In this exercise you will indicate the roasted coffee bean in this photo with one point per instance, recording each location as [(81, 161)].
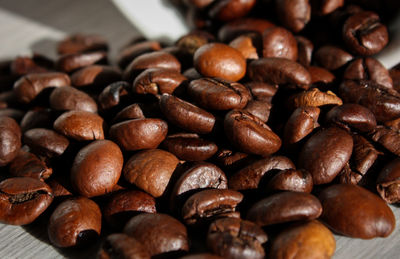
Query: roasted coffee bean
[(81, 43), (151, 170), (368, 69), (75, 222), (388, 182), (353, 211), (260, 109), (192, 74), (388, 138), (393, 124), (331, 57), (279, 43), (80, 125), (291, 180), (120, 246), (382, 102), (236, 238), (279, 71), (320, 76), (364, 155), (231, 9), (15, 114), (228, 63), (294, 14), (347, 175), (200, 4), (394, 73), (139, 134), (218, 94), (352, 116), (193, 40), (71, 62), (305, 50), (186, 115), (138, 111), (26, 65), (159, 233), (37, 118), (121, 206), (46, 142), (285, 207), (249, 134), (156, 59), (301, 123), (60, 188), (250, 176), (201, 256), (189, 147), (310, 239), (131, 52), (27, 164), (96, 76), (68, 98), (158, 81), (208, 204), (325, 154), (10, 140), (29, 86), (97, 168), (363, 33), (324, 7), (23, 199), (235, 28), (262, 91), (111, 95), (231, 161), (246, 45)]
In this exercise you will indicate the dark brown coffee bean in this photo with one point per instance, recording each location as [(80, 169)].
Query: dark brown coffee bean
[(382, 102), (10, 140), (301, 123), (121, 206), (279, 71), (262, 91), (157, 81), (393, 124), (150, 170), (364, 155), (353, 211), (363, 33), (71, 62), (139, 133), (320, 75), (231, 9), (279, 43), (68, 98), (236, 238), (138, 111), (81, 43), (352, 116), (37, 118), (285, 207), (260, 109), (347, 175), (201, 256), (192, 74), (29, 86), (218, 94), (291, 180), (80, 125), (310, 239), (97, 76), (325, 154), (156, 59), (324, 7), (189, 147), (246, 45), (190, 42), (388, 138), (331, 57), (293, 14), (394, 73), (15, 114), (208, 204), (23, 199), (122, 246), (27, 164), (76, 221), (26, 65), (388, 182), (97, 168), (249, 134), (228, 63), (159, 233), (60, 187), (235, 28), (131, 52), (231, 161), (305, 50), (250, 176), (111, 95), (46, 142)]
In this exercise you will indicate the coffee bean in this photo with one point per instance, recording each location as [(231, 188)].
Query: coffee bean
[(75, 222), (231, 161), (325, 7), (305, 50), (71, 62), (27, 164), (46, 142), (231, 9), (247, 46), (26, 65), (262, 91), (10, 140), (129, 53), (279, 43), (95, 76), (314, 98), (320, 76), (364, 155), (138, 111), (388, 138), (356, 212), (331, 57), (81, 43), (291, 180), (68, 98), (201, 256), (23, 199), (235, 28), (260, 109), (36, 118), (119, 245), (387, 183), (158, 81)]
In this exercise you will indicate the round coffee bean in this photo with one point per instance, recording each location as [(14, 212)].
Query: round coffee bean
[(96, 76), (10, 140), (158, 81), (332, 57), (291, 180), (70, 62), (69, 98), (119, 245), (279, 43), (230, 10), (294, 14)]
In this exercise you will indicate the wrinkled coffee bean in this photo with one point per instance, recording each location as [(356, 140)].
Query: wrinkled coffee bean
[(46, 142), (387, 184), (388, 138), (246, 45), (76, 221), (69, 98), (10, 140), (313, 97), (158, 81), (364, 155), (27, 164), (291, 180), (23, 199), (111, 95), (120, 245), (279, 43)]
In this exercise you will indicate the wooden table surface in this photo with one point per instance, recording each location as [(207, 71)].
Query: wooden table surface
[(35, 25)]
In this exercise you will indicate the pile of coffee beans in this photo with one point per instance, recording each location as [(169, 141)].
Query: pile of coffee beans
[(256, 135)]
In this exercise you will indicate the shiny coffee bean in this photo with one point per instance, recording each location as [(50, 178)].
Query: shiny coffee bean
[(75, 222), (158, 81), (121, 246), (27, 164), (138, 111), (331, 57), (96, 168), (68, 98), (231, 9), (325, 7), (36, 118), (246, 45), (26, 65), (294, 14), (305, 50), (262, 91), (260, 109), (46, 142), (96, 76), (23, 199), (387, 184), (71, 62), (81, 43), (231, 161), (353, 211), (314, 98), (279, 43), (131, 52), (388, 138), (10, 140), (320, 76), (291, 180), (112, 94), (364, 155), (235, 28)]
